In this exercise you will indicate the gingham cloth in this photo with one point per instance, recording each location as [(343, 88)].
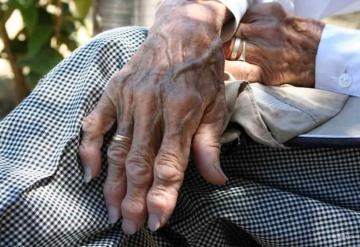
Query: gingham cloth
[(296, 197)]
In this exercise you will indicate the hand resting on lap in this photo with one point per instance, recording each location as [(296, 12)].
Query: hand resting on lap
[(168, 100)]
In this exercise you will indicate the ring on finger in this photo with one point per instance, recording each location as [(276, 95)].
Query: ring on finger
[(243, 52), (120, 138), (236, 46)]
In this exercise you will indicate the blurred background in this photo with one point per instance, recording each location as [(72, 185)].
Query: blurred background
[(35, 35)]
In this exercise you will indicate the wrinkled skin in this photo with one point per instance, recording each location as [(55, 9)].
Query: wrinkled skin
[(279, 48), (167, 101)]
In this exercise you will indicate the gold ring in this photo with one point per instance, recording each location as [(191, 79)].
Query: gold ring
[(232, 45), (236, 48), (243, 52), (121, 138)]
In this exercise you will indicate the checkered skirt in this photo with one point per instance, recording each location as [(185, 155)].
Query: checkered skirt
[(297, 197)]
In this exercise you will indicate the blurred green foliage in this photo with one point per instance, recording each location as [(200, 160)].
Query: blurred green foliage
[(48, 25)]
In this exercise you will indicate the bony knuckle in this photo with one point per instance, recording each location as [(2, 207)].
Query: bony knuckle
[(138, 170), (167, 157), (161, 197), (141, 154), (168, 169), (116, 155), (117, 77), (85, 150), (132, 206), (113, 187), (88, 123), (115, 160), (121, 75)]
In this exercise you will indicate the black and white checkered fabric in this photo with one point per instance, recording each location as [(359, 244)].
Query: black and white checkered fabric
[(296, 197)]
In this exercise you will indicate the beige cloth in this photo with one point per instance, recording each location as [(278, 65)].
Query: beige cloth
[(275, 115)]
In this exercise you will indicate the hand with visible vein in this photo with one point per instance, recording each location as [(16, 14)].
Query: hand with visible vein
[(166, 102)]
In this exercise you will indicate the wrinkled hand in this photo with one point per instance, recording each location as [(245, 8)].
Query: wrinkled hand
[(279, 48), (167, 99)]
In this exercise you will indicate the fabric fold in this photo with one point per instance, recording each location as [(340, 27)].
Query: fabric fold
[(274, 115)]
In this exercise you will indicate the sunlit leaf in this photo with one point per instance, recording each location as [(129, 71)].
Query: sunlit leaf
[(82, 7), (32, 45)]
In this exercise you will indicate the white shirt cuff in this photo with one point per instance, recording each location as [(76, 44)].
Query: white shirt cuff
[(338, 61), (238, 9)]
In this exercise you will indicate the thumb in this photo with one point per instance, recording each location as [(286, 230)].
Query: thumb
[(206, 143), (244, 71)]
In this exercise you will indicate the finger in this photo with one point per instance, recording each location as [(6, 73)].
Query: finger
[(169, 171), (99, 121), (139, 176), (206, 142), (265, 12), (249, 30), (261, 38), (254, 50), (115, 183), (139, 165), (244, 71), (172, 159), (266, 36)]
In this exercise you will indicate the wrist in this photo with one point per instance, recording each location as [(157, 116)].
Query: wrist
[(183, 13), (310, 31)]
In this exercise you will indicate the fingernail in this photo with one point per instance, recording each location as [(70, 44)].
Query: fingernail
[(87, 174), (220, 171), (113, 214), (129, 227), (154, 222)]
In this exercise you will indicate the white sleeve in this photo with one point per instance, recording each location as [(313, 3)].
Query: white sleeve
[(320, 9), (338, 61), (238, 9)]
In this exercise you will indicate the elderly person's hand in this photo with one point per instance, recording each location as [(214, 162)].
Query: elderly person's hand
[(279, 48), (168, 99)]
